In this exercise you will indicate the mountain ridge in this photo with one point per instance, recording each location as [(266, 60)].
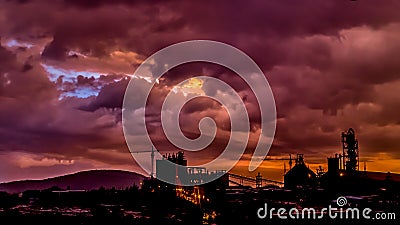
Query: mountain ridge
[(82, 180)]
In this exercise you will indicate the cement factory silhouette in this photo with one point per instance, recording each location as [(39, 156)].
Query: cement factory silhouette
[(233, 199), (343, 172), (230, 199)]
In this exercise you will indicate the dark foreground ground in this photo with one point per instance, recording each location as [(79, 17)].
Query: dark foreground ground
[(163, 206)]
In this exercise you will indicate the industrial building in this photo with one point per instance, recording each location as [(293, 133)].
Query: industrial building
[(343, 173), (300, 176)]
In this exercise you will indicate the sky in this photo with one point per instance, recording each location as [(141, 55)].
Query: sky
[(65, 65)]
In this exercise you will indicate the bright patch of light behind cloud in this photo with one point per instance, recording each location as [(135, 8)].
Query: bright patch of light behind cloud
[(80, 92), (69, 75), (15, 43)]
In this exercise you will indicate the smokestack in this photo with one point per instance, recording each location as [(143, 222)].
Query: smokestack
[(284, 168)]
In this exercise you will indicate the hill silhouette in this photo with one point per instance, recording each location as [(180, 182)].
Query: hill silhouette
[(84, 180)]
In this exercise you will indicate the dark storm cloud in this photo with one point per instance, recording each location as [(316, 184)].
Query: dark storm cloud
[(8, 60), (33, 119), (200, 104), (89, 4), (110, 96), (331, 65), (146, 28), (23, 80), (55, 50)]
